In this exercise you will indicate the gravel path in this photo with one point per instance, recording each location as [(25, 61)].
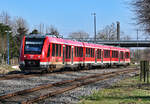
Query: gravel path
[(9, 86)]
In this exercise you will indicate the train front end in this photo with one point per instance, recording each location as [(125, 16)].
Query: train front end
[(32, 54)]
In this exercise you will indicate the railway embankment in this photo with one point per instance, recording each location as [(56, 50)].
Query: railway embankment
[(128, 91)]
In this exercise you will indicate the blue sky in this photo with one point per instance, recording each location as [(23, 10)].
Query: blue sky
[(72, 15)]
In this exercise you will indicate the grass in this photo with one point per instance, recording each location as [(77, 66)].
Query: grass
[(4, 69), (128, 91)]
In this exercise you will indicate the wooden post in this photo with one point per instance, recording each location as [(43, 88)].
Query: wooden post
[(141, 70), (144, 71), (144, 67), (147, 71)]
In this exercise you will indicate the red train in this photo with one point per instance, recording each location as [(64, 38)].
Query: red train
[(44, 53)]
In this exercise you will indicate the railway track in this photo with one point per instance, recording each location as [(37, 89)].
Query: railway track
[(22, 75), (32, 95)]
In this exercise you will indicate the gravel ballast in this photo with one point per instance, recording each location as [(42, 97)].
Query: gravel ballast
[(13, 85), (73, 97)]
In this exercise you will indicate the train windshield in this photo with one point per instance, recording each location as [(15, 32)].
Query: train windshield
[(33, 45)]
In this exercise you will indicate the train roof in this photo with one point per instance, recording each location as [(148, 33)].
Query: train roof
[(35, 36), (63, 41), (75, 43)]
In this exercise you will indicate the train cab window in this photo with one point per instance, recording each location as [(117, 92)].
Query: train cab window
[(127, 54), (48, 53), (114, 54), (68, 52), (121, 55), (106, 53), (53, 49), (99, 54)]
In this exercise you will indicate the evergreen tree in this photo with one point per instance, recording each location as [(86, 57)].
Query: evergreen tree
[(35, 31)]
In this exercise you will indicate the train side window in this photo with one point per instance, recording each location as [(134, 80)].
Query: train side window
[(86, 52), (48, 53), (99, 53), (75, 51), (106, 53), (68, 52), (56, 49), (59, 50), (93, 52), (80, 52), (121, 55), (114, 54), (53, 49), (127, 54)]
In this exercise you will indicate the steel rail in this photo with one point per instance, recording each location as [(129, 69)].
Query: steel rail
[(61, 83), (13, 76), (62, 90)]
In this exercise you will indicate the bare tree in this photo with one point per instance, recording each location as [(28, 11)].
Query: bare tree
[(5, 18), (108, 33), (20, 29), (5, 21), (19, 26), (142, 11), (124, 36), (79, 35), (127, 37)]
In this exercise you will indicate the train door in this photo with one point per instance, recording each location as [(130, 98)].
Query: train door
[(48, 54), (124, 57), (63, 54), (110, 56), (119, 56), (95, 55), (72, 56)]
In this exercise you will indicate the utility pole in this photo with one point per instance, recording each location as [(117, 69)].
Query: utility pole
[(8, 46), (94, 14), (137, 34)]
